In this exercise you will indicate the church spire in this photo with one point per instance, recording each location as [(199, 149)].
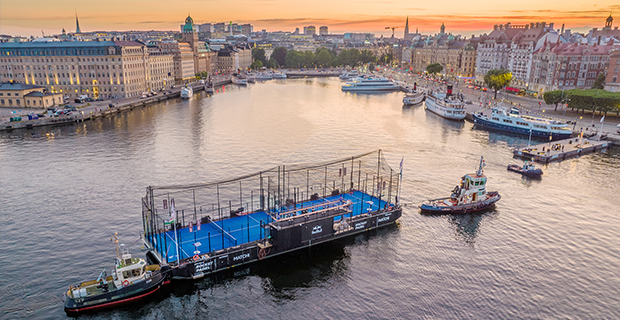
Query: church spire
[(407, 27), (443, 28), (77, 24)]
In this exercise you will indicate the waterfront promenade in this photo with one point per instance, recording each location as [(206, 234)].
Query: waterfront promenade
[(582, 122)]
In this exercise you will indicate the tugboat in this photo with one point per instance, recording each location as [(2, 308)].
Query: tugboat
[(527, 170), (469, 196), (187, 92), (131, 280)]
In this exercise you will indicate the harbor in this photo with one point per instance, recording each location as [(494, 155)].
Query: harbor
[(70, 187)]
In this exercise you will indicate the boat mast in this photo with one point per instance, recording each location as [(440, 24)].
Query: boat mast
[(115, 240), (479, 172)]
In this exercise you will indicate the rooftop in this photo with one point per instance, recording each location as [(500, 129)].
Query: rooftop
[(16, 86)]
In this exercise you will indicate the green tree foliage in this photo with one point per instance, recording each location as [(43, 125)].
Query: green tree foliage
[(599, 83), (258, 54), (554, 97), (497, 79), (324, 58), (587, 100), (307, 59), (293, 59), (279, 54), (272, 63), (434, 68), (256, 65), (366, 56)]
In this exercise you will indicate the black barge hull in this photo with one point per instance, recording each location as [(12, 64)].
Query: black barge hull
[(284, 240)]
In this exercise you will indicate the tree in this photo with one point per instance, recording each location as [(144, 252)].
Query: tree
[(599, 83), (497, 79), (307, 59), (434, 68), (279, 54), (554, 97), (367, 56), (324, 58), (256, 65), (258, 54), (272, 63), (292, 59)]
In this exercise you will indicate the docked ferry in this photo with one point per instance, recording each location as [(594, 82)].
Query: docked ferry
[(370, 85), (187, 92), (131, 279), (512, 121), (348, 75), (446, 104), (413, 97)]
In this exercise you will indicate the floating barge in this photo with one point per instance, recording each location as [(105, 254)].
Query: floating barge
[(229, 223), (561, 149)]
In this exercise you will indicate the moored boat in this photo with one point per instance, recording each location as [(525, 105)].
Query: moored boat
[(446, 104), (239, 81), (512, 121), (132, 279), (469, 196), (279, 75), (413, 97), (348, 75), (187, 92), (528, 169), (370, 85)]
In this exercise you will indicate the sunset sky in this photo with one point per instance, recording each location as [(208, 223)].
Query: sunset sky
[(29, 17)]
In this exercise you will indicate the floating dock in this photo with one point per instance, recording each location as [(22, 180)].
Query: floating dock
[(561, 149), (225, 224)]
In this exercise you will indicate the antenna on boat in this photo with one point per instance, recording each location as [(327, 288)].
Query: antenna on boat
[(482, 164), (115, 240)]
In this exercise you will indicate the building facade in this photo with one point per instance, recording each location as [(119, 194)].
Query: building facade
[(612, 80), (20, 95), (98, 69)]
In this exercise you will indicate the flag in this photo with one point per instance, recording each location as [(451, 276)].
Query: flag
[(198, 225), (172, 214), (191, 226), (401, 166), (602, 119)]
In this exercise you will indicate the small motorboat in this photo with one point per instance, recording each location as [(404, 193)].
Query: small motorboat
[(413, 96), (469, 196), (131, 279), (528, 169)]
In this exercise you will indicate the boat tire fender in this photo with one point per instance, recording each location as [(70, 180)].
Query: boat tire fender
[(125, 283), (196, 258)]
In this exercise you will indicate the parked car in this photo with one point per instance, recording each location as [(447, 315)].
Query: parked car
[(71, 108), (99, 99), (78, 100), (90, 100)]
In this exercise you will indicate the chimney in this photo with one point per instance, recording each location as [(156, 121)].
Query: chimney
[(532, 25), (449, 93), (495, 27), (562, 32), (551, 25)]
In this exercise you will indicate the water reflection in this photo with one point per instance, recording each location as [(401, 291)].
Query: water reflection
[(466, 226)]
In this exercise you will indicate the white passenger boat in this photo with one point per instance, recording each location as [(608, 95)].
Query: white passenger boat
[(279, 75), (348, 75), (239, 81), (187, 92), (413, 96), (523, 124), (370, 85), (263, 76), (446, 105)]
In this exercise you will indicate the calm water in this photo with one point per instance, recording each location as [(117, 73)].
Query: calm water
[(549, 250)]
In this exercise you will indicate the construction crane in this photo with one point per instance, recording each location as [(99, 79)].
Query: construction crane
[(393, 28)]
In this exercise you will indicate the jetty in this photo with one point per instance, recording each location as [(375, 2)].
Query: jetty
[(561, 149)]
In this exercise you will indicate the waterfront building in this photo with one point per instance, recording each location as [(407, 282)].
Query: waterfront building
[(494, 51), (565, 66), (183, 57), (521, 50), (20, 95), (612, 81), (99, 69)]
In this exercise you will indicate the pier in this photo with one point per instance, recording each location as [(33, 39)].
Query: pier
[(561, 149)]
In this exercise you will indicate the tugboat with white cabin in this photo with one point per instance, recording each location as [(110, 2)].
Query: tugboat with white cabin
[(132, 279), (468, 196)]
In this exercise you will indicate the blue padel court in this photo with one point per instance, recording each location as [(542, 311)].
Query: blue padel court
[(250, 227)]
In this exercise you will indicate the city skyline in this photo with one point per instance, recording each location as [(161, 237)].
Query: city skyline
[(278, 15)]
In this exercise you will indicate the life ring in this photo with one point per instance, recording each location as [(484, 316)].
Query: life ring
[(196, 258), (125, 283)]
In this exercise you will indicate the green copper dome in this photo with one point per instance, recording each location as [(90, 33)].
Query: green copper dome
[(189, 24)]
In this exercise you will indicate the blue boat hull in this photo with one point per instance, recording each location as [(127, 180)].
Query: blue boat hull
[(536, 173), (525, 131)]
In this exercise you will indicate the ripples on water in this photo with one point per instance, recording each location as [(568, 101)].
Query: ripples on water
[(548, 250)]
